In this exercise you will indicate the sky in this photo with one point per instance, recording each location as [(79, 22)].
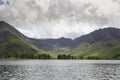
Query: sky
[(60, 18)]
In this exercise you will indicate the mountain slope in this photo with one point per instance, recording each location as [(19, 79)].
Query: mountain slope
[(100, 44), (99, 35), (13, 44), (52, 44)]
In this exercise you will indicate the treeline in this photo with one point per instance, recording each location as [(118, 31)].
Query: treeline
[(93, 58), (47, 56), (25, 56), (60, 56)]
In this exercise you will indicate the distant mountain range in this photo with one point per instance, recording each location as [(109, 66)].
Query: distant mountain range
[(99, 44)]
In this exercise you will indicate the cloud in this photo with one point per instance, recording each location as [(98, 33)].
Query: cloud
[(4, 2), (1, 2), (60, 18)]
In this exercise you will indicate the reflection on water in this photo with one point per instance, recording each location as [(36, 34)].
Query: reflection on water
[(59, 70)]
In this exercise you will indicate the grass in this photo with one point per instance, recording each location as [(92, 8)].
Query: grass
[(104, 49)]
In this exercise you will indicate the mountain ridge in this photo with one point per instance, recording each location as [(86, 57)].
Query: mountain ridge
[(14, 44), (99, 44), (92, 37), (100, 34), (6, 26)]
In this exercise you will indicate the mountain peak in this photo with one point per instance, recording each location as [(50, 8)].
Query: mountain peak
[(5, 26), (108, 28), (13, 43), (104, 31), (3, 23), (99, 35)]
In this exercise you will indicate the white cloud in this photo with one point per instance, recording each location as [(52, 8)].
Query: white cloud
[(60, 18)]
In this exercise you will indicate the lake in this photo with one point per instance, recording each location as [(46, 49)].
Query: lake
[(60, 70)]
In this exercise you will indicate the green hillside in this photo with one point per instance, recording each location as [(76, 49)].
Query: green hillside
[(100, 50), (99, 44), (14, 45)]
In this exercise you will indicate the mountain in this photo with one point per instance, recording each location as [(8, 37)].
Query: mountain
[(99, 35), (101, 44), (52, 44), (14, 44)]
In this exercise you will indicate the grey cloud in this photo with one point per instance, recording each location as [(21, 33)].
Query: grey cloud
[(46, 17), (1, 2), (57, 9)]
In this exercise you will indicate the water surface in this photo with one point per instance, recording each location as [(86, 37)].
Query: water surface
[(60, 70)]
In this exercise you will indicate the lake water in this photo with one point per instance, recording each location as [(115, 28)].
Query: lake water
[(60, 70)]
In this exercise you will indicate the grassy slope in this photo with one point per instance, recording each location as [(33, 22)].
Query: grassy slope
[(104, 49), (12, 45), (54, 54)]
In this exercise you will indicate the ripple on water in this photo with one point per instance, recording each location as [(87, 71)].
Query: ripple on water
[(58, 70)]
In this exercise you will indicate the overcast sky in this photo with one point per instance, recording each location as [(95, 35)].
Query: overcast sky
[(60, 18)]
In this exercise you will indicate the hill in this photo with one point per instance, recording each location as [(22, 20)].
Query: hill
[(100, 44), (13, 44), (52, 44)]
